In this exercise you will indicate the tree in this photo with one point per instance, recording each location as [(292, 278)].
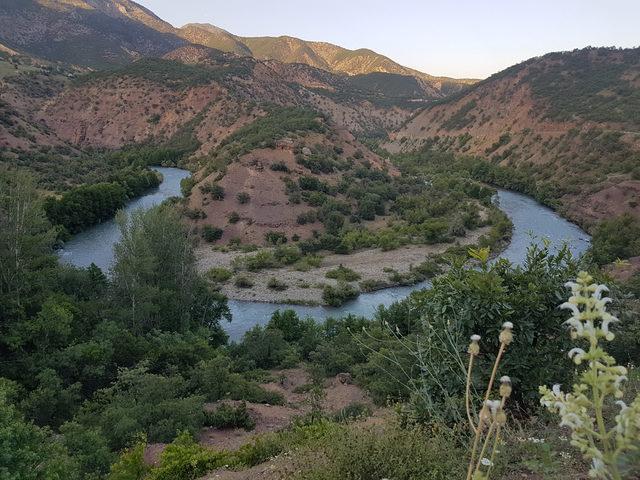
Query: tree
[(29, 452), (25, 236), (155, 274)]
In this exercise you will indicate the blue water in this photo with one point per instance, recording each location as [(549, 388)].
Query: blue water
[(95, 245), (531, 223)]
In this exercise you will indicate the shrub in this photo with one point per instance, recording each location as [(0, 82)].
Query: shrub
[(308, 262), (219, 274), (243, 281), (229, 416), (211, 233), (353, 411), (287, 255), (277, 285), (234, 217), (340, 294), (216, 191), (243, 197), (258, 261), (344, 274), (275, 238), (392, 453), (279, 167), (616, 238)]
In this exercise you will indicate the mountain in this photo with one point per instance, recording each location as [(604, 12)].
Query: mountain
[(105, 33), (570, 121), (321, 55), (93, 33)]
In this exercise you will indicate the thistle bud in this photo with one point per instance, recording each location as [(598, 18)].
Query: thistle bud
[(485, 412), (474, 348), (505, 386), (506, 335)]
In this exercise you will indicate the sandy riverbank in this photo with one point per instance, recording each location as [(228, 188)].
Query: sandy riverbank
[(306, 287)]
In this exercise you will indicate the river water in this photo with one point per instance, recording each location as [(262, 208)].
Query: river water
[(531, 223)]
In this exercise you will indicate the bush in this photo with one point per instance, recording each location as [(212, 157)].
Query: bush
[(219, 274), (275, 284), (234, 217), (392, 453), (216, 191), (279, 167), (339, 295), (275, 238), (353, 411), (211, 233), (229, 416), (343, 274), (308, 262), (243, 281), (616, 238), (243, 197)]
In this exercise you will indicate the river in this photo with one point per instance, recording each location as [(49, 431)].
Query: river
[(528, 216)]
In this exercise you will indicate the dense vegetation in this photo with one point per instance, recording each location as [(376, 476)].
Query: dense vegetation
[(86, 205), (90, 362)]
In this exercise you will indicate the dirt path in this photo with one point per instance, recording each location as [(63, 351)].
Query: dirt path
[(306, 287)]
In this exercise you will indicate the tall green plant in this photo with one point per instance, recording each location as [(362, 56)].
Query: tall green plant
[(605, 443)]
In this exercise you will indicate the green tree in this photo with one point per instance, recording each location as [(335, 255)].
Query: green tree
[(155, 274), (29, 452)]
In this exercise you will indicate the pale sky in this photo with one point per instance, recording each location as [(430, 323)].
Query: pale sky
[(462, 38)]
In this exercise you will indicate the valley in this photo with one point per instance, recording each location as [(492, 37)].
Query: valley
[(247, 256)]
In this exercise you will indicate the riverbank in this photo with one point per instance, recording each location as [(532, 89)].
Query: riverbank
[(377, 269)]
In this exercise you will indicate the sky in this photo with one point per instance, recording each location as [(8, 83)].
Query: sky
[(462, 38)]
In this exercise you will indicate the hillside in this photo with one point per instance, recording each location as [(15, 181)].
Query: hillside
[(569, 121), (323, 55), (93, 33), (106, 33)]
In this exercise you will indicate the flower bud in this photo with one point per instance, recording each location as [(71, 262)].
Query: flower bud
[(506, 335), (474, 348), (505, 386), (501, 417), (485, 413)]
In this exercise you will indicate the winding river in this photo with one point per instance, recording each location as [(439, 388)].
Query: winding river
[(531, 223)]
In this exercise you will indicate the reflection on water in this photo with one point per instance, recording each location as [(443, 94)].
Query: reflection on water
[(529, 218)]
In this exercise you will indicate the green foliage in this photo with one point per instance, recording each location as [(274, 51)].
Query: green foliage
[(243, 198), (28, 452), (211, 233), (215, 190), (279, 167), (130, 465), (219, 274), (154, 273), (615, 238), (143, 402), (342, 273), (277, 285), (242, 281), (460, 119), (265, 131), (393, 453), (465, 301), (340, 294), (275, 238), (230, 416), (353, 411), (86, 205)]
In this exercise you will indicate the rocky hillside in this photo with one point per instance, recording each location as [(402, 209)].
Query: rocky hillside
[(325, 56), (94, 33), (104, 33), (570, 121)]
